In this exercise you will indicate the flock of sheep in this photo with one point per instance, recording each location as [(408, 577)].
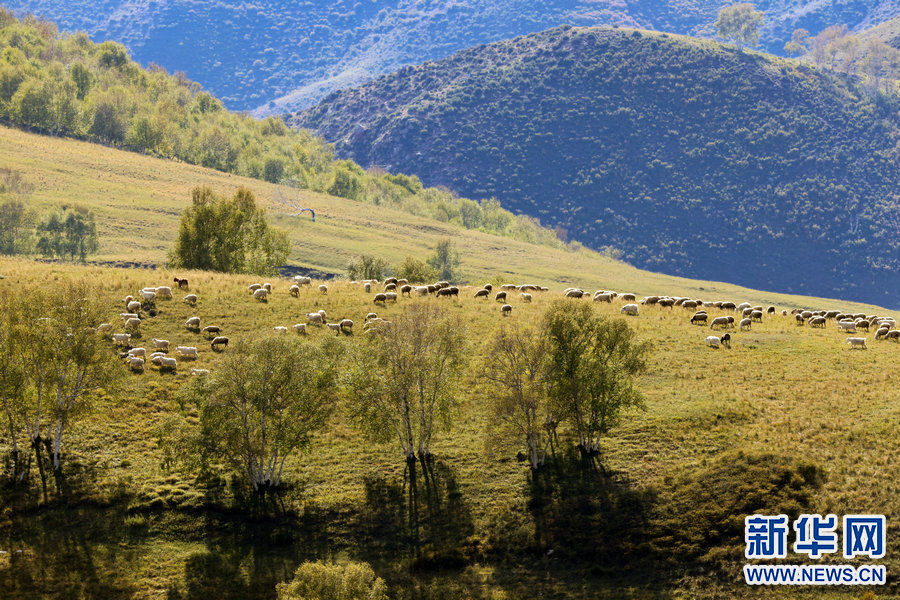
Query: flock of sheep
[(144, 303)]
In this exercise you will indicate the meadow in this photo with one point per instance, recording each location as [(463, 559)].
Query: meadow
[(720, 431)]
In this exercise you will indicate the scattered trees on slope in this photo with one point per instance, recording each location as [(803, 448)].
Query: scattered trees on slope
[(740, 24)]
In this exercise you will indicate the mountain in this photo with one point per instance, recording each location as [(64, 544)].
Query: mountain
[(689, 157), (283, 55), (887, 32)]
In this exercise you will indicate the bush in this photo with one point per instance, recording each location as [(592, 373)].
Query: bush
[(68, 232), (329, 581), (366, 266), (445, 260), (415, 271)]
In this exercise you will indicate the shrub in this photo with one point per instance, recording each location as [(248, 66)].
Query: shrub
[(330, 581)]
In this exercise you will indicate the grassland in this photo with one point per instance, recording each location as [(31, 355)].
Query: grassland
[(138, 201), (133, 529)]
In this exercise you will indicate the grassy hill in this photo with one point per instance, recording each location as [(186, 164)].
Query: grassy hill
[(789, 418), (691, 157), (282, 55), (138, 201), (887, 32)]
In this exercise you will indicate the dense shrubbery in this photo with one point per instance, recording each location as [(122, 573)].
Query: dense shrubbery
[(691, 157), (63, 84)]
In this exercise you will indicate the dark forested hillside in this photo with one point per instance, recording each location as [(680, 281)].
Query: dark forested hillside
[(294, 53), (690, 157)]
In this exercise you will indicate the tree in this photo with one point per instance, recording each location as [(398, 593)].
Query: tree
[(516, 368), (13, 382), (330, 581), (347, 181), (799, 44), (405, 376), (263, 404), (82, 78), (16, 223), (740, 24), (68, 232), (593, 362), (32, 104), (445, 260), (366, 266), (230, 235), (415, 271), (112, 55)]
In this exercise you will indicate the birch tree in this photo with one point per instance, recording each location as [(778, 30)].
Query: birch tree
[(405, 378), (593, 363), (263, 404), (516, 369), (13, 382)]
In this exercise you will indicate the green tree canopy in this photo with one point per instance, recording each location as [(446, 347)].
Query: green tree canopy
[(445, 260), (68, 232), (740, 24)]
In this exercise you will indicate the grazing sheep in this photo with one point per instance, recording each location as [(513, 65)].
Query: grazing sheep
[(391, 280), (167, 364), (212, 330), (406, 289), (650, 300), (199, 371), (626, 297), (335, 327), (323, 289), (719, 321), (402, 282), (136, 364), (881, 333), (303, 280), (134, 324), (181, 283), (368, 287), (488, 286), (770, 310), (148, 296), (526, 297), (817, 322), (857, 342), (712, 341), (253, 287), (315, 318), (104, 328), (728, 306), (122, 339), (745, 324), (371, 315), (390, 287), (193, 324), (500, 296), (346, 325), (746, 312), (186, 351), (602, 297), (261, 295), (190, 299), (164, 292), (666, 302), (726, 340), (893, 334), (126, 316), (699, 318), (391, 296), (483, 293), (744, 305), (422, 290), (268, 287), (138, 352), (505, 310), (689, 304), (220, 340), (294, 291), (800, 319), (155, 354), (756, 316), (160, 344), (846, 326), (629, 309), (300, 328), (134, 306), (806, 314), (573, 293), (280, 329)]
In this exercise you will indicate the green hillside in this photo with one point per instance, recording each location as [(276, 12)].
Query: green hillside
[(887, 32), (690, 157)]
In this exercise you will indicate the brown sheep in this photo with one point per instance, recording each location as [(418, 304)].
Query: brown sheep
[(219, 341), (699, 318), (505, 310), (380, 298), (500, 296), (406, 289), (390, 287), (482, 293), (181, 283)]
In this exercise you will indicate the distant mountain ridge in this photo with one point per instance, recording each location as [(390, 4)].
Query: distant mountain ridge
[(281, 55), (691, 157)]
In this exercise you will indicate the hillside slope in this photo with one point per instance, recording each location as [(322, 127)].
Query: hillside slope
[(691, 157), (295, 53), (138, 201)]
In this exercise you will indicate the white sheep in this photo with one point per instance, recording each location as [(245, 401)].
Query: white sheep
[(629, 309), (261, 295), (148, 296), (168, 364), (267, 287), (300, 328), (122, 339), (346, 324), (526, 297), (126, 316), (280, 329), (217, 341), (164, 292), (141, 352), (193, 323), (134, 324), (294, 291), (857, 342), (187, 351), (134, 306), (371, 315), (303, 280), (156, 354), (323, 288), (745, 324), (315, 318), (719, 321), (847, 326), (136, 364), (253, 287), (335, 327), (190, 299)]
